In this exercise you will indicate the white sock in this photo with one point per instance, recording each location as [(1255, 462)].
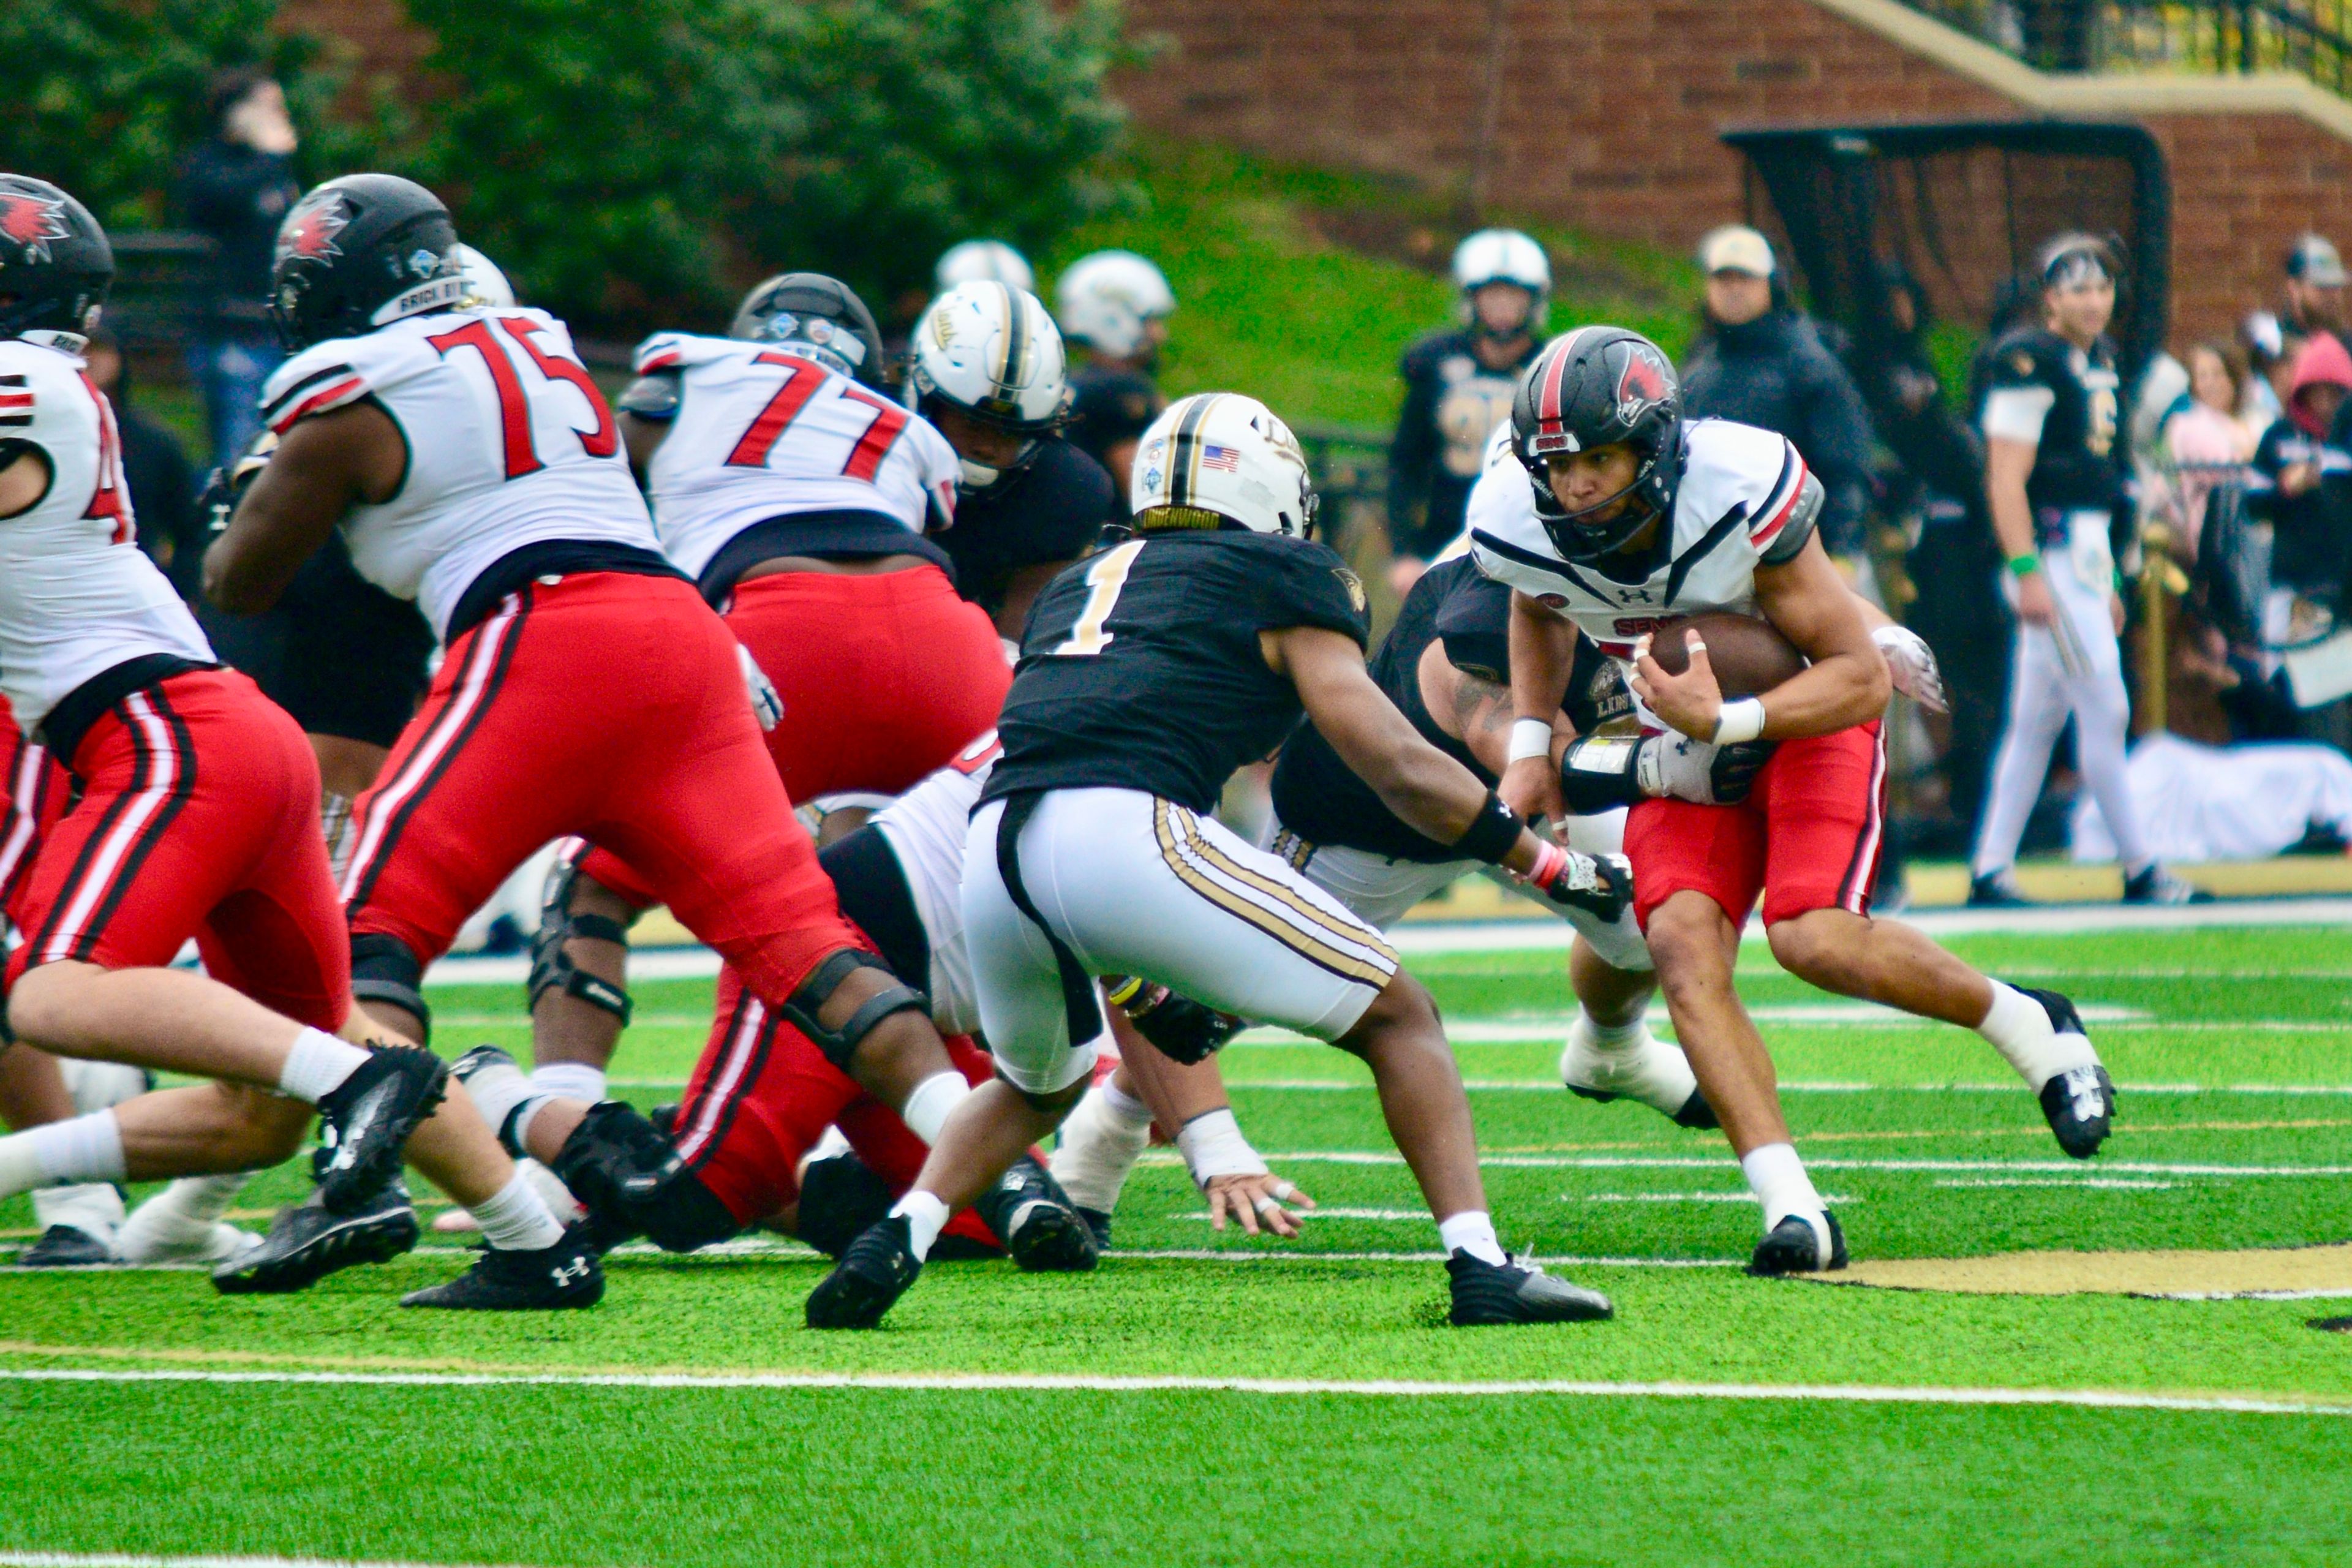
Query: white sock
[(318, 1065), (573, 1080), (1617, 1036), (1473, 1232), (2019, 1030), (183, 1213), (928, 1106), (925, 1216), (94, 1208), (517, 1218), (1101, 1140), (498, 1092), (1777, 1178)]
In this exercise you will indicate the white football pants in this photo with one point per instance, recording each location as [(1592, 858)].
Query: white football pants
[(2072, 668)]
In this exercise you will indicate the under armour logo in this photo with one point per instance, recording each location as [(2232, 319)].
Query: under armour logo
[(571, 1273)]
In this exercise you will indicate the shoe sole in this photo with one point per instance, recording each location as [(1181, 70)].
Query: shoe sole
[(1519, 1313), (345, 1245), (378, 1159), (571, 1300), (846, 1300), (1054, 1240)]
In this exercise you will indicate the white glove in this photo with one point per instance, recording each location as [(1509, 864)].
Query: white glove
[(1675, 765), (1913, 665), (766, 706)]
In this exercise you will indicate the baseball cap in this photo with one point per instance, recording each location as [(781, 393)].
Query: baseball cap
[(2315, 260), (1735, 247)]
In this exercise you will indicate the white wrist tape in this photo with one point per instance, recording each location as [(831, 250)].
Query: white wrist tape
[(1740, 721), (1213, 1146), (1531, 738)]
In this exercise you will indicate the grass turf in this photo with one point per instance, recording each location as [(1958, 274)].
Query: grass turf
[(2235, 1049)]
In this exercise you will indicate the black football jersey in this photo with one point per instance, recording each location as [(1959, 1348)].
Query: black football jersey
[(1318, 796), (1049, 511), (1108, 406), (2076, 465), (1140, 666)]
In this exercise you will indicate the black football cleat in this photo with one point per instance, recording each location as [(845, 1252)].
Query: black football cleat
[(877, 1269), (1796, 1246), (306, 1243), (1996, 891), (65, 1246), (365, 1124), (555, 1278), (2080, 1103), (2154, 885), (1034, 1218), (1516, 1292), (1097, 1225)]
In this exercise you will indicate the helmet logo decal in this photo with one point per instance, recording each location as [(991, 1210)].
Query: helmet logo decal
[(1224, 460), (32, 222), (309, 234), (1644, 384)]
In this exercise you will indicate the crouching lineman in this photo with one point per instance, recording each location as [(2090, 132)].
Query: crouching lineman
[(1148, 675), (1624, 517), (587, 689), (197, 817)]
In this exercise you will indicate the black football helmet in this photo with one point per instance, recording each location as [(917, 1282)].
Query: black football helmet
[(810, 314), (55, 263), (361, 252), (1594, 387)]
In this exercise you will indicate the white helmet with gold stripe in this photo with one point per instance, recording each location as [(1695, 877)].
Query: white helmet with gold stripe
[(984, 261), (1219, 456), (991, 351)]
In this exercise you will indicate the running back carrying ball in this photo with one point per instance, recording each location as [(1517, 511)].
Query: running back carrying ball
[(1751, 658)]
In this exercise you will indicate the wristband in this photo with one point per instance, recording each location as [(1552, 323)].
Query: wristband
[(1550, 861), (1531, 738), (1493, 834), (1740, 721), (1213, 1146), (2025, 565)]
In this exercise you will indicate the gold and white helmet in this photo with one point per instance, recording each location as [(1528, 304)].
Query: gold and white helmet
[(984, 261), (990, 350), (485, 284), (1219, 456)]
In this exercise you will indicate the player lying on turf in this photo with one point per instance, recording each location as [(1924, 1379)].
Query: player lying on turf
[(1627, 519), (197, 817), (1147, 675)]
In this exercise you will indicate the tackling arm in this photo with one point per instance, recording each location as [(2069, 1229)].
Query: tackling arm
[(1543, 656), (322, 467)]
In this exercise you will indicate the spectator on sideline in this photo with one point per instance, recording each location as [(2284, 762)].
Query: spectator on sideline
[(2205, 438), (235, 187), (1457, 388), (2314, 288), (1760, 361), (2302, 485), (2270, 348), (155, 466)]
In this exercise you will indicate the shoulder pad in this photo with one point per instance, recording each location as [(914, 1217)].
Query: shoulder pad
[(1727, 465), (680, 351), (341, 371)]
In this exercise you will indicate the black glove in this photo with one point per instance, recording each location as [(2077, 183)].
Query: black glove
[(1185, 1031)]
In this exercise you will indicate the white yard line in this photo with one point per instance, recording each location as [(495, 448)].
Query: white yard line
[(119, 1560), (1818, 1162), (970, 1382), (2095, 1182)]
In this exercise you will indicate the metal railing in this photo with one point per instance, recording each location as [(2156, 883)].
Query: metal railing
[(2312, 38)]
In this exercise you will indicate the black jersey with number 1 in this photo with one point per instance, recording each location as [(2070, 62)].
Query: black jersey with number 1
[(1140, 666)]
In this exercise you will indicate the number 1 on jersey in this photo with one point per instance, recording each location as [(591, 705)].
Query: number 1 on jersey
[(1105, 579)]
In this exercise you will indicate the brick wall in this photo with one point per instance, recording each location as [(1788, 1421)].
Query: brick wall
[(1609, 112)]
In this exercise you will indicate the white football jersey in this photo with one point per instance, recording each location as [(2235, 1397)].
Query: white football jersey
[(78, 596), (509, 443), (761, 434), (1744, 499), (927, 828)]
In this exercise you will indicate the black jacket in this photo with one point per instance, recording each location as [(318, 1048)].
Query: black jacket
[(1776, 372), (237, 196)]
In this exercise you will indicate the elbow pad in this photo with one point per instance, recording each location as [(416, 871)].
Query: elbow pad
[(1600, 774)]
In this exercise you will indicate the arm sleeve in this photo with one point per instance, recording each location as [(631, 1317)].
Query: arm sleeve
[(1309, 587), (2016, 413)]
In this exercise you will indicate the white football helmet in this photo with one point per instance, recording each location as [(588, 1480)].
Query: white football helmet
[(1219, 455), (1504, 255), (984, 261), (485, 284), (993, 352), (1105, 299)]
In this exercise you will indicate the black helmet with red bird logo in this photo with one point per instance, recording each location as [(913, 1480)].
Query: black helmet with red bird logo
[(55, 263), (1599, 386), (362, 252)]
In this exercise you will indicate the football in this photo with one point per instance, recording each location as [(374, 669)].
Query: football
[(1749, 656)]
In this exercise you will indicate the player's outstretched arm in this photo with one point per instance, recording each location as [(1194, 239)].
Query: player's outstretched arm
[(1543, 656), (323, 466)]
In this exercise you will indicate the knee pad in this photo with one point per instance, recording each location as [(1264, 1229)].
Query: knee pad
[(839, 1198), (385, 970), (840, 1045), (551, 968), (630, 1178)]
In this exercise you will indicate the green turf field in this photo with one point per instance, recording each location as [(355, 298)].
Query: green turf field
[(691, 1419)]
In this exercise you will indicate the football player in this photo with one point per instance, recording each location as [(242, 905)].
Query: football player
[(1458, 390), (196, 817), (586, 689), (988, 372), (1148, 675), (2053, 482), (982, 261), (1115, 306), (1623, 517)]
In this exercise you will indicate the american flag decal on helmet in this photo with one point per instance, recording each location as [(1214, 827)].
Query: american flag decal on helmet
[(1225, 459)]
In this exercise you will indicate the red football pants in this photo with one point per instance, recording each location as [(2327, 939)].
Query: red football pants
[(884, 680), (33, 793), (198, 818), (610, 706), (763, 1094), (1807, 838)]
